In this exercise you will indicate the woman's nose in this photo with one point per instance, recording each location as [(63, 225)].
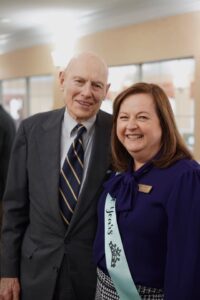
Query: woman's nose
[(132, 124)]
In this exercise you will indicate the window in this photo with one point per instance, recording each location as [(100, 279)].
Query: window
[(176, 77), (120, 78), (41, 94), (14, 97), (26, 96)]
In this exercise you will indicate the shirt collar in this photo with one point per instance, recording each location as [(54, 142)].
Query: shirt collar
[(70, 123)]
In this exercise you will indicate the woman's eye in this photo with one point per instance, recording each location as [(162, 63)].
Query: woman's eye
[(142, 117), (123, 117)]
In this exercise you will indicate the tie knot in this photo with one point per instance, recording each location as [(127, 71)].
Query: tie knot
[(80, 129)]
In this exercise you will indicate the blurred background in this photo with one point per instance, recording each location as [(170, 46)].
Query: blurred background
[(141, 40)]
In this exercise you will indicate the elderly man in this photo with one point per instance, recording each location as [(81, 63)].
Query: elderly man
[(50, 203)]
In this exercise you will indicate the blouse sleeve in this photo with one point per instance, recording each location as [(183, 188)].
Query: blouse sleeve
[(182, 274)]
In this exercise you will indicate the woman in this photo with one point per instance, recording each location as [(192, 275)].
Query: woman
[(150, 207)]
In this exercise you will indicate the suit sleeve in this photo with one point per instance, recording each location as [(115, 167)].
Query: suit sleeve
[(183, 255), (7, 134), (15, 207)]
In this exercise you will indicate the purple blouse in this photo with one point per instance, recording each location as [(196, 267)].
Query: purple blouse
[(160, 229)]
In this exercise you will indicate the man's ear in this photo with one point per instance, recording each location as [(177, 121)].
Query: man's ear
[(107, 87), (61, 78)]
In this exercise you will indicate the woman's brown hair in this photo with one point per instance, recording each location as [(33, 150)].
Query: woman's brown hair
[(173, 147)]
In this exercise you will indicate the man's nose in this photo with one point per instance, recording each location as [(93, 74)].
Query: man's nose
[(87, 89)]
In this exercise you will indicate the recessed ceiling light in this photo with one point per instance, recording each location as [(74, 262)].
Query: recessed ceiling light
[(4, 36), (3, 42), (5, 20)]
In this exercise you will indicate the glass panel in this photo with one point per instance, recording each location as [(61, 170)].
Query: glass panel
[(41, 94), (120, 77), (14, 96), (176, 77)]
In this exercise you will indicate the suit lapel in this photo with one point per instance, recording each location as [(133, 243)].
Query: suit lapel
[(48, 142)]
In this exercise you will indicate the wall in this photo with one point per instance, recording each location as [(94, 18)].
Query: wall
[(26, 62), (156, 40), (167, 38)]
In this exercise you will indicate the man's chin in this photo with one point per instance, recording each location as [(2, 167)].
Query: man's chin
[(84, 116)]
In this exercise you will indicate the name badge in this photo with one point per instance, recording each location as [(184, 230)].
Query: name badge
[(144, 188)]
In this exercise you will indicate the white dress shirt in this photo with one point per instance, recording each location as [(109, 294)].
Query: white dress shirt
[(68, 135)]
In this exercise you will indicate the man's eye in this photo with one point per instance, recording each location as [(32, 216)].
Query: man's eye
[(96, 85), (79, 81)]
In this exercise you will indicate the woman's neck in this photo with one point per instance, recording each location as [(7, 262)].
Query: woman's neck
[(138, 164)]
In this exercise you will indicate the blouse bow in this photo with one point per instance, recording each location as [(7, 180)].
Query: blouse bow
[(124, 186)]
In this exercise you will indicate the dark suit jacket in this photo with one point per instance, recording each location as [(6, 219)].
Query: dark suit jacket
[(7, 134), (34, 237)]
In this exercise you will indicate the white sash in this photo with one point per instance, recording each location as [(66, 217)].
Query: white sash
[(116, 262)]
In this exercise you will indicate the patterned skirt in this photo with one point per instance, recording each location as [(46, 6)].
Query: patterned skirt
[(106, 291)]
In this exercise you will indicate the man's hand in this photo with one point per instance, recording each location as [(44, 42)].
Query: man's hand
[(9, 289)]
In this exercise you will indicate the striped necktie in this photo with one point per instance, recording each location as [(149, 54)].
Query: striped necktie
[(71, 176)]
